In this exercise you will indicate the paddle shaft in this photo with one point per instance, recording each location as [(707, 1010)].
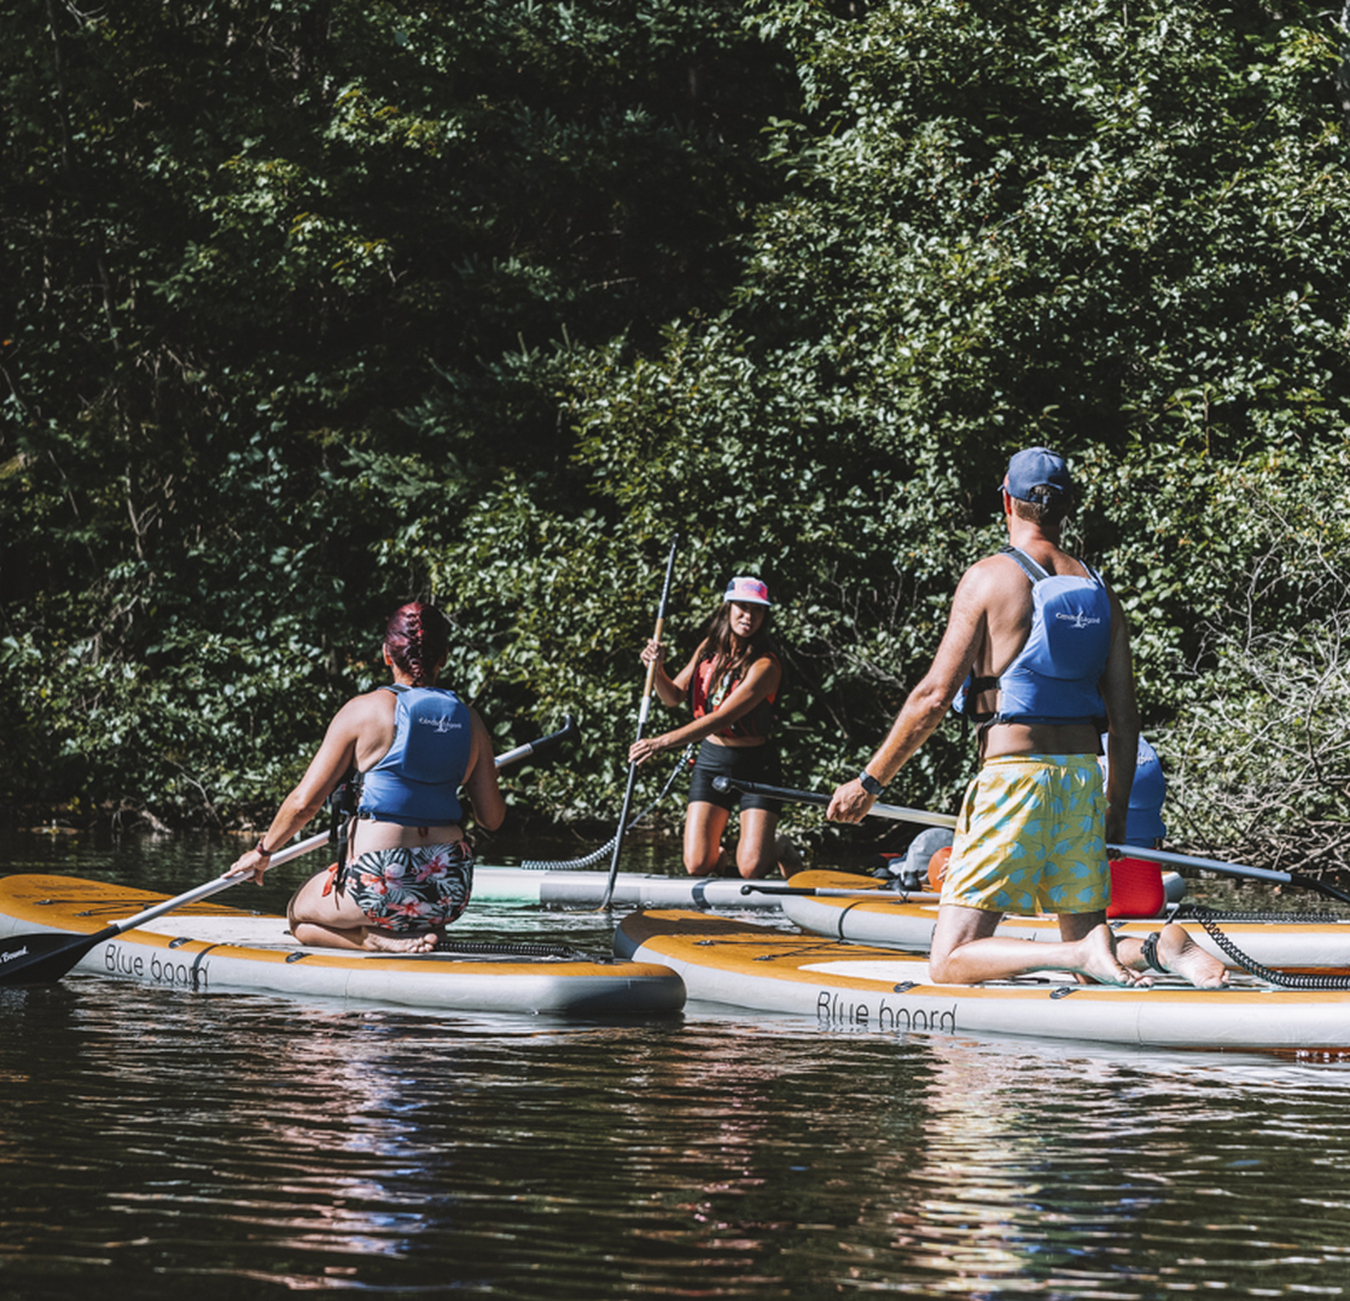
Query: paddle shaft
[(49, 955), (839, 892), (814, 797), (642, 720), (313, 842), (568, 730), (1132, 851), (206, 890)]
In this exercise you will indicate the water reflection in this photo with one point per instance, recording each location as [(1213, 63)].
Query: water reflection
[(1064, 1171), (234, 1146)]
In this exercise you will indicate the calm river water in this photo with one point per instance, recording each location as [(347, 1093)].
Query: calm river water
[(227, 1146)]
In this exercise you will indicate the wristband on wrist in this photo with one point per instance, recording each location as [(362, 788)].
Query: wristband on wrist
[(870, 783), (258, 849)]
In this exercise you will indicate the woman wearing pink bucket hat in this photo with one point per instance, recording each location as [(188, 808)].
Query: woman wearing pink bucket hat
[(731, 681)]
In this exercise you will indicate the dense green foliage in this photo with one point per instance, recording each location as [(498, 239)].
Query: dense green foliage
[(316, 307), (247, 240)]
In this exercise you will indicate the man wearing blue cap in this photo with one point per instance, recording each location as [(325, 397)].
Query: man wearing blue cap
[(1041, 646)]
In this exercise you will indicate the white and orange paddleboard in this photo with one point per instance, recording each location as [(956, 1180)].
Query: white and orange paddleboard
[(858, 987), (1292, 942), (209, 947)]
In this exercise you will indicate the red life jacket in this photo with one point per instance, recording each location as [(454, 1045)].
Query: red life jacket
[(758, 722)]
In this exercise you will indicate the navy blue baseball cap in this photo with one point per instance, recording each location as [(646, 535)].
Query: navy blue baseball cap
[(1036, 467)]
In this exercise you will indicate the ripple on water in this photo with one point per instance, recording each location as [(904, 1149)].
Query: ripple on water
[(233, 1146)]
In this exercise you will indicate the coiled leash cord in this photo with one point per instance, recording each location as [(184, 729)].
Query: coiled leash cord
[(1185, 910), (1209, 919), (492, 949), (448, 950), (548, 865)]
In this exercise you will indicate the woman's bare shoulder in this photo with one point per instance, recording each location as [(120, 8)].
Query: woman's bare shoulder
[(369, 706)]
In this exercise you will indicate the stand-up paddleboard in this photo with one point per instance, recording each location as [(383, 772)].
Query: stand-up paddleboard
[(580, 888), (1288, 943), (855, 987), (209, 947), (576, 888)]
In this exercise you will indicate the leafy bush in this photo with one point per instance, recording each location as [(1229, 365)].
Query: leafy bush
[(1259, 754), (486, 302)]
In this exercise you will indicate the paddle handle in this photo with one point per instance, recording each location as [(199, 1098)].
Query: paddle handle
[(568, 730), (656, 636), (1232, 869), (822, 801), (208, 888), (180, 901), (1131, 851), (642, 722), (646, 705), (839, 892)]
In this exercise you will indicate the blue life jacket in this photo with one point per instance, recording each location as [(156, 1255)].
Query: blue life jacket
[(1055, 675), (1144, 823), (417, 782)]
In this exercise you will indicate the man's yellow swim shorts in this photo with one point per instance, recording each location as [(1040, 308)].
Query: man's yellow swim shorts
[(1031, 837)]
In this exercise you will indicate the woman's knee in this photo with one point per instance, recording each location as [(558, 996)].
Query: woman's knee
[(754, 863), (703, 862), (757, 853), (294, 908), (310, 904), (703, 828)]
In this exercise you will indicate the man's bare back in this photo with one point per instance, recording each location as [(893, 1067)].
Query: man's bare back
[(1002, 600)]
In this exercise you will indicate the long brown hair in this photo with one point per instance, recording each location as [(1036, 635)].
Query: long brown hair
[(719, 643)]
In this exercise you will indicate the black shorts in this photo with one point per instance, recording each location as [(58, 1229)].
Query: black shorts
[(752, 763)]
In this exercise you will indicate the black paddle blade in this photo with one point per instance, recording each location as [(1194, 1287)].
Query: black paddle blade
[(1321, 885), (40, 959)]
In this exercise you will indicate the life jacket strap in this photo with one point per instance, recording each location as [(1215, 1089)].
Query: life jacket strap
[(342, 805)]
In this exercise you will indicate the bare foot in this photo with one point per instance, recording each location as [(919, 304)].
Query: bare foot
[(1101, 964), (1182, 956), (382, 943)]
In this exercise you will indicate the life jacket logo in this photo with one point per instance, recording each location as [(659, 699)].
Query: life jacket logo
[(441, 724), (1078, 619)]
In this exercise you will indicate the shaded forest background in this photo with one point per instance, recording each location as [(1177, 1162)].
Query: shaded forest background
[(310, 308)]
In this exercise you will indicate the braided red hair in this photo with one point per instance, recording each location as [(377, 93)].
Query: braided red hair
[(417, 639)]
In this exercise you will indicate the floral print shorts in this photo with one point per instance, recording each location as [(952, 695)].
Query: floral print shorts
[(412, 890)]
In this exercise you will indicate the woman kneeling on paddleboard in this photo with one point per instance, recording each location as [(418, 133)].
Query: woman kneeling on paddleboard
[(414, 745), (731, 681)]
